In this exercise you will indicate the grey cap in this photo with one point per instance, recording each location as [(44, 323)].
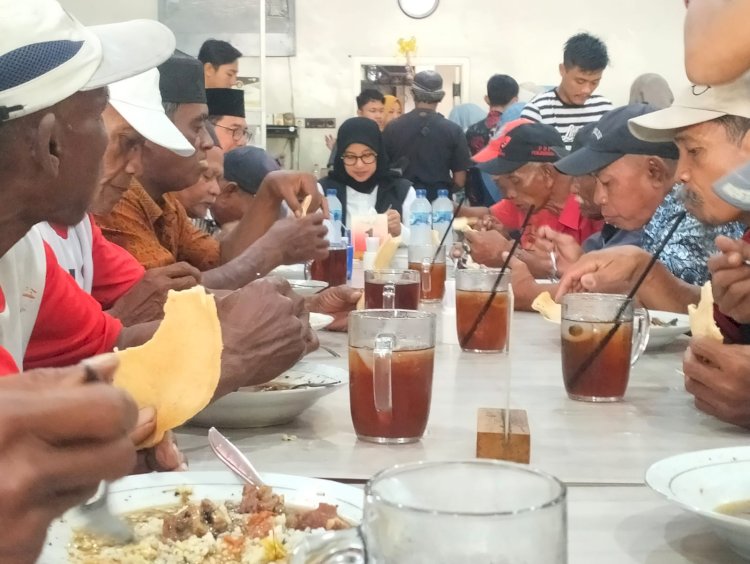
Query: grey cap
[(429, 85), (248, 166)]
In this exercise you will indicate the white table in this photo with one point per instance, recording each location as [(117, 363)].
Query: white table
[(601, 450)]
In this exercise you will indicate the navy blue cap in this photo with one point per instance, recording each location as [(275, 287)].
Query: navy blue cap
[(248, 166), (611, 140)]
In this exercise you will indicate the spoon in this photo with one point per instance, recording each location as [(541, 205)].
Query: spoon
[(233, 458)]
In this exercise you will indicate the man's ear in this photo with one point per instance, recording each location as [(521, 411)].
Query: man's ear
[(47, 145), (487, 100), (659, 172)]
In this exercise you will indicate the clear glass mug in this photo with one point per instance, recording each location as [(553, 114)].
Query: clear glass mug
[(473, 293), (429, 261), (478, 511), (391, 359), (587, 320), (392, 289)]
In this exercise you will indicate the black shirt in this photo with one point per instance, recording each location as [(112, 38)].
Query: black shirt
[(433, 145)]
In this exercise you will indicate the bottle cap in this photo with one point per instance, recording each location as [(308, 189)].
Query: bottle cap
[(421, 193), (442, 193)]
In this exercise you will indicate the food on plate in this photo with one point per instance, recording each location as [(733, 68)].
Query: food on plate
[(739, 509), (260, 529), (702, 322), (658, 322), (549, 308), (177, 371)]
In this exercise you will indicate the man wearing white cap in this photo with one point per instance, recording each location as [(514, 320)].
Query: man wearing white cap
[(105, 270), (711, 127), (59, 438)]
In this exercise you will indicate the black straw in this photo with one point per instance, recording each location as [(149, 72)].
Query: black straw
[(450, 226), (489, 301), (586, 364)]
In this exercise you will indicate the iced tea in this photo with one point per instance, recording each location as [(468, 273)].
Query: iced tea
[(405, 294), (331, 269), (491, 334), (411, 393), (606, 377), (433, 280)]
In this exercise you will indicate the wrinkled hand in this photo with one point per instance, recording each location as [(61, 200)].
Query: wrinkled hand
[(567, 250), (730, 278), (59, 438), (394, 223), (293, 187), (299, 240), (266, 330), (491, 223), (487, 247), (145, 301), (717, 375), (163, 457), (330, 142), (338, 302), (525, 287), (609, 271)]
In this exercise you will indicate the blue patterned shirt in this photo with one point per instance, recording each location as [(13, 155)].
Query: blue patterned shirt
[(686, 254)]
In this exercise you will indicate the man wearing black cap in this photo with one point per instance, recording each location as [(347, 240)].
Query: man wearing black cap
[(522, 164), (226, 110), (433, 149), (635, 188), (152, 225)]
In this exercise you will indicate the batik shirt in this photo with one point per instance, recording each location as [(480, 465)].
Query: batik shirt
[(686, 254)]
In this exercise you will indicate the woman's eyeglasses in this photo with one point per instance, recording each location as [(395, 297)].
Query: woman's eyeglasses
[(238, 133), (367, 158)]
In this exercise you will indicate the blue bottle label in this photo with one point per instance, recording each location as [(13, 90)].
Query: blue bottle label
[(336, 215), (442, 217), (419, 218)]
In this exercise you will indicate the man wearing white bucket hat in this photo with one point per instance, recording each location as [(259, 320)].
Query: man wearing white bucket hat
[(59, 438)]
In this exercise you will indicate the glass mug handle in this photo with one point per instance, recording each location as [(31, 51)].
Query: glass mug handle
[(641, 332), (338, 547), (389, 296), (381, 372), (425, 274)]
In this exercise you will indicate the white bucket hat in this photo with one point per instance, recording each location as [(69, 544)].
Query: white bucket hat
[(46, 55), (138, 101)]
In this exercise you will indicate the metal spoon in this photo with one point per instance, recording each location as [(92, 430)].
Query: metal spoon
[(233, 458)]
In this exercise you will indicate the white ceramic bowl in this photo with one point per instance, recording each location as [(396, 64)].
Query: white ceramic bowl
[(661, 336), (158, 489), (703, 480), (248, 407)]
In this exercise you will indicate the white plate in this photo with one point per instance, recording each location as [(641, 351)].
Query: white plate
[(157, 489), (701, 481), (320, 320), (662, 336), (307, 287), (248, 407)]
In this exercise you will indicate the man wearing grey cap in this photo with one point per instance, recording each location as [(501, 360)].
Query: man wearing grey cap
[(711, 126), (432, 149)]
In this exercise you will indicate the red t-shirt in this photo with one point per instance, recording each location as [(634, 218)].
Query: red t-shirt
[(7, 364), (569, 221), (70, 326), (115, 270)]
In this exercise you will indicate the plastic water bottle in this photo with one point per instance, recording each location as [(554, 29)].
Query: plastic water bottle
[(420, 220), (442, 212), (334, 208)]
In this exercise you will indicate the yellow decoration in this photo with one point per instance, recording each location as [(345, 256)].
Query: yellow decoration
[(407, 47), (177, 371)]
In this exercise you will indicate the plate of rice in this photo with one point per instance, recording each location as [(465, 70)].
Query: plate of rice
[(208, 518)]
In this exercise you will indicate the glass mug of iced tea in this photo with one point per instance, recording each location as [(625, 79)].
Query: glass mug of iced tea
[(473, 292), (392, 289), (587, 319), (391, 356), (476, 511), (432, 272), (331, 269)]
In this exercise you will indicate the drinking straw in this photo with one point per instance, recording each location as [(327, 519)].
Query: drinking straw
[(489, 301), (450, 226), (617, 320)]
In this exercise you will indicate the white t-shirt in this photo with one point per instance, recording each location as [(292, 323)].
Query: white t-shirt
[(358, 203), (73, 249)]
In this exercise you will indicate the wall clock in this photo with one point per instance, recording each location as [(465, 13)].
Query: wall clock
[(418, 9)]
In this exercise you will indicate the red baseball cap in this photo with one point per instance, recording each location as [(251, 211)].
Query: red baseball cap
[(494, 147)]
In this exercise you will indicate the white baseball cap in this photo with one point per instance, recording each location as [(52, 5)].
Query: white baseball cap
[(695, 104), (138, 101), (46, 55)]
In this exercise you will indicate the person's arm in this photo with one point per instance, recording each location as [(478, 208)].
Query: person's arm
[(277, 187), (717, 45)]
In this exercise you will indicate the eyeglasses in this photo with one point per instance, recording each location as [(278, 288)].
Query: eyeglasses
[(367, 158), (238, 133)]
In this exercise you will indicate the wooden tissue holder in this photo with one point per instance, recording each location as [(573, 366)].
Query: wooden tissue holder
[(491, 440)]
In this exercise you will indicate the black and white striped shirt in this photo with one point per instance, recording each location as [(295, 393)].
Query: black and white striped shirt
[(548, 108)]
